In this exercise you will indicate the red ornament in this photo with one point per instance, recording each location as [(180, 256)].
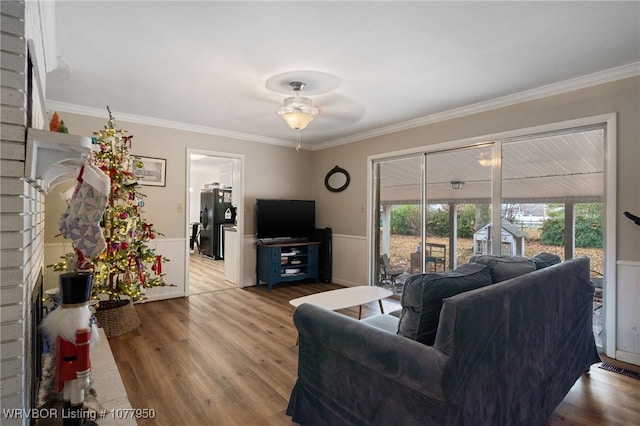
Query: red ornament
[(124, 215), (54, 124)]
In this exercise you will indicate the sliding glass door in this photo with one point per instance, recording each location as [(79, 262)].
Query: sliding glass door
[(398, 225), (553, 200)]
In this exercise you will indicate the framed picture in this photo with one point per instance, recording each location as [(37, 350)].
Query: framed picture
[(153, 171)]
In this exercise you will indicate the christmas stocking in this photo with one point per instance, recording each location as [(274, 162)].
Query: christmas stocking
[(81, 221)]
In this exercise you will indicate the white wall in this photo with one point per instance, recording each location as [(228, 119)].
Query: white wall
[(198, 181), (199, 178)]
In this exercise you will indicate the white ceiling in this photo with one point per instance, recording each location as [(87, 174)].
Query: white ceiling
[(206, 163), (371, 67)]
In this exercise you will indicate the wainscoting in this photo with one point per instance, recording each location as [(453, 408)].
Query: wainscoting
[(628, 312), (174, 249), (349, 260)]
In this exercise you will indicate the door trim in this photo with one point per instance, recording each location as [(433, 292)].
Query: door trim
[(239, 189)]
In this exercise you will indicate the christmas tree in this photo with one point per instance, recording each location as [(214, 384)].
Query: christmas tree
[(116, 253)]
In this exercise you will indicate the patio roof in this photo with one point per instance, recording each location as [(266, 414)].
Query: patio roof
[(567, 167)]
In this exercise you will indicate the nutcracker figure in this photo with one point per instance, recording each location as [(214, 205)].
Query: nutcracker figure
[(70, 326)]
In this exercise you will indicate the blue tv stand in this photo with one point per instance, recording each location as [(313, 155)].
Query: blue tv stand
[(282, 261)]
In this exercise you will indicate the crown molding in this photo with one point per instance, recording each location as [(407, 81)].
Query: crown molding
[(601, 77), (168, 124)]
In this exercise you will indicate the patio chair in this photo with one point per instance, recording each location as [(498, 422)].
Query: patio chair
[(435, 258), (387, 275), (436, 255), (414, 261), (597, 282)]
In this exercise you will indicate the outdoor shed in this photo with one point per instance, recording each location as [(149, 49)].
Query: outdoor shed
[(511, 236)]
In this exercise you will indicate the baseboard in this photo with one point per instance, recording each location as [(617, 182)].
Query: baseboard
[(628, 357), (344, 282)]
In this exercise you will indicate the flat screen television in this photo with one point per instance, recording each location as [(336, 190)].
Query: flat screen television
[(285, 219)]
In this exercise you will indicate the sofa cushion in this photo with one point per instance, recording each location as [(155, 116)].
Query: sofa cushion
[(503, 268), (423, 294), (383, 321), (396, 313), (544, 260)]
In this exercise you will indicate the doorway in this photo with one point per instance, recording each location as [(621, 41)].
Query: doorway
[(214, 197)]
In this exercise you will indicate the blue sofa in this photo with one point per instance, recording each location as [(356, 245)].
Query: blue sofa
[(503, 353)]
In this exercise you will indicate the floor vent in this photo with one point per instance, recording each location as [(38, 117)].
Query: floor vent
[(619, 370)]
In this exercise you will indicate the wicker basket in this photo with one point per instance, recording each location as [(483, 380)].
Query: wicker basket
[(117, 317)]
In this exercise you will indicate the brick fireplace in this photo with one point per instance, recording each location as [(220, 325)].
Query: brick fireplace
[(22, 212), (21, 268), (21, 199)]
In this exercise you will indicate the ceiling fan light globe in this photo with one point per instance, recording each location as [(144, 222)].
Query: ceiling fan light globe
[(298, 112), (297, 120)]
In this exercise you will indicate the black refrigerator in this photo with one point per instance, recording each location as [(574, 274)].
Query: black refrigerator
[(215, 211)]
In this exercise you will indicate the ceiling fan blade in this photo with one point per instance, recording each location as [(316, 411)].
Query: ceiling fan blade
[(339, 110)]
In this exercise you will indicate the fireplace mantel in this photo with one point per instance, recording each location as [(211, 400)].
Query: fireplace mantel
[(53, 157)]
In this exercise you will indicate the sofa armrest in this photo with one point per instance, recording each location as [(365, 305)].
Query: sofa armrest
[(394, 357)]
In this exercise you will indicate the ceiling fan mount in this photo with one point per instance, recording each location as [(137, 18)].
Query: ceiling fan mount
[(297, 86)]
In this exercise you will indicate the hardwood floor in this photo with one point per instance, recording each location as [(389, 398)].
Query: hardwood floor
[(206, 274), (229, 357)]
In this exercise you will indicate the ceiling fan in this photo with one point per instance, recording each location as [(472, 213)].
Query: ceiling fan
[(309, 90)]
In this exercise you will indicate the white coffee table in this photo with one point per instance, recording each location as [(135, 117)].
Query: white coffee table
[(345, 298)]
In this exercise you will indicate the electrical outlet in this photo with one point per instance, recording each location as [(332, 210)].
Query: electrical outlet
[(179, 208)]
